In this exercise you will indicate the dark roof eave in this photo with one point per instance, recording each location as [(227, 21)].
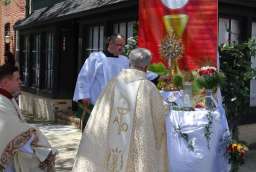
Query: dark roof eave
[(246, 3), (103, 9)]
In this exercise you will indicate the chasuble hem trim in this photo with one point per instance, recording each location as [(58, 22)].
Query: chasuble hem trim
[(14, 145)]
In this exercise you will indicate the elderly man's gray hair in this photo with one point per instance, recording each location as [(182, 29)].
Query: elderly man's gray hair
[(140, 57)]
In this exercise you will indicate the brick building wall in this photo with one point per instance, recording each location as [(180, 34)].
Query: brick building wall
[(10, 13)]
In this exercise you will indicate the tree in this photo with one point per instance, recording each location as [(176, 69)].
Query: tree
[(235, 62)]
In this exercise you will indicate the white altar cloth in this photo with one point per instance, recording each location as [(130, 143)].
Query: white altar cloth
[(202, 158)]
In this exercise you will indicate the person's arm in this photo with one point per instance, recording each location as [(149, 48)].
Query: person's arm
[(84, 81), (86, 103)]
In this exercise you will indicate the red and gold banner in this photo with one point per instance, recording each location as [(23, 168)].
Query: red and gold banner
[(194, 22)]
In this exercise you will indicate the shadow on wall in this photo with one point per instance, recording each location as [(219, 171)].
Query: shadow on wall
[(43, 108)]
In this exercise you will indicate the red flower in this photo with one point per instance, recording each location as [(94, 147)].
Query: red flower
[(200, 105), (208, 70)]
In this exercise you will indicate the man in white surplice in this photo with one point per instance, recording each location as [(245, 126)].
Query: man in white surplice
[(98, 69), (23, 148), (126, 131)]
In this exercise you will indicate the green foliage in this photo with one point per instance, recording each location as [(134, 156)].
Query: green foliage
[(185, 136), (158, 68), (235, 62), (211, 82), (178, 81), (132, 42), (195, 87)]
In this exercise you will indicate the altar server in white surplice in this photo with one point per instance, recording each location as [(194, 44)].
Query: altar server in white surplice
[(126, 129), (23, 148), (98, 69)]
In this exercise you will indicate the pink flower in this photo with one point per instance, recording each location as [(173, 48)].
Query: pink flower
[(207, 70)]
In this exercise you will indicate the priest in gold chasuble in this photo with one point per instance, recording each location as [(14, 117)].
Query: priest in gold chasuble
[(126, 130), (23, 148)]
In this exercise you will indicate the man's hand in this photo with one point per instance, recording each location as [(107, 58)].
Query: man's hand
[(86, 103)]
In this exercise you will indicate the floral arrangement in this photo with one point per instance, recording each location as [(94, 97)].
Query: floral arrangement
[(209, 77), (131, 44), (168, 83), (171, 47), (164, 82), (236, 153)]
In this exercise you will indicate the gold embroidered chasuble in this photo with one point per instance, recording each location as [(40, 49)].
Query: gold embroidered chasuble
[(126, 131), (15, 133)]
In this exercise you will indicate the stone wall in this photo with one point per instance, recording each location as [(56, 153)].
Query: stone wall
[(43, 108)]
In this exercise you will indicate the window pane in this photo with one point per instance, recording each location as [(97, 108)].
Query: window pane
[(95, 38), (90, 39), (253, 59), (35, 59), (254, 30), (49, 61), (122, 29), (23, 59), (116, 30), (223, 36), (101, 38), (130, 29), (235, 30), (253, 93), (37, 65), (26, 65), (253, 81)]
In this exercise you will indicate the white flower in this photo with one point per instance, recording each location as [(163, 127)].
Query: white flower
[(131, 41)]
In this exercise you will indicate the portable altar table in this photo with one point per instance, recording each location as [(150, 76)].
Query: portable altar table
[(197, 140)]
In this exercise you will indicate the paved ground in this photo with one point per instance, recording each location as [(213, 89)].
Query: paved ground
[(66, 139), (247, 133), (68, 144)]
